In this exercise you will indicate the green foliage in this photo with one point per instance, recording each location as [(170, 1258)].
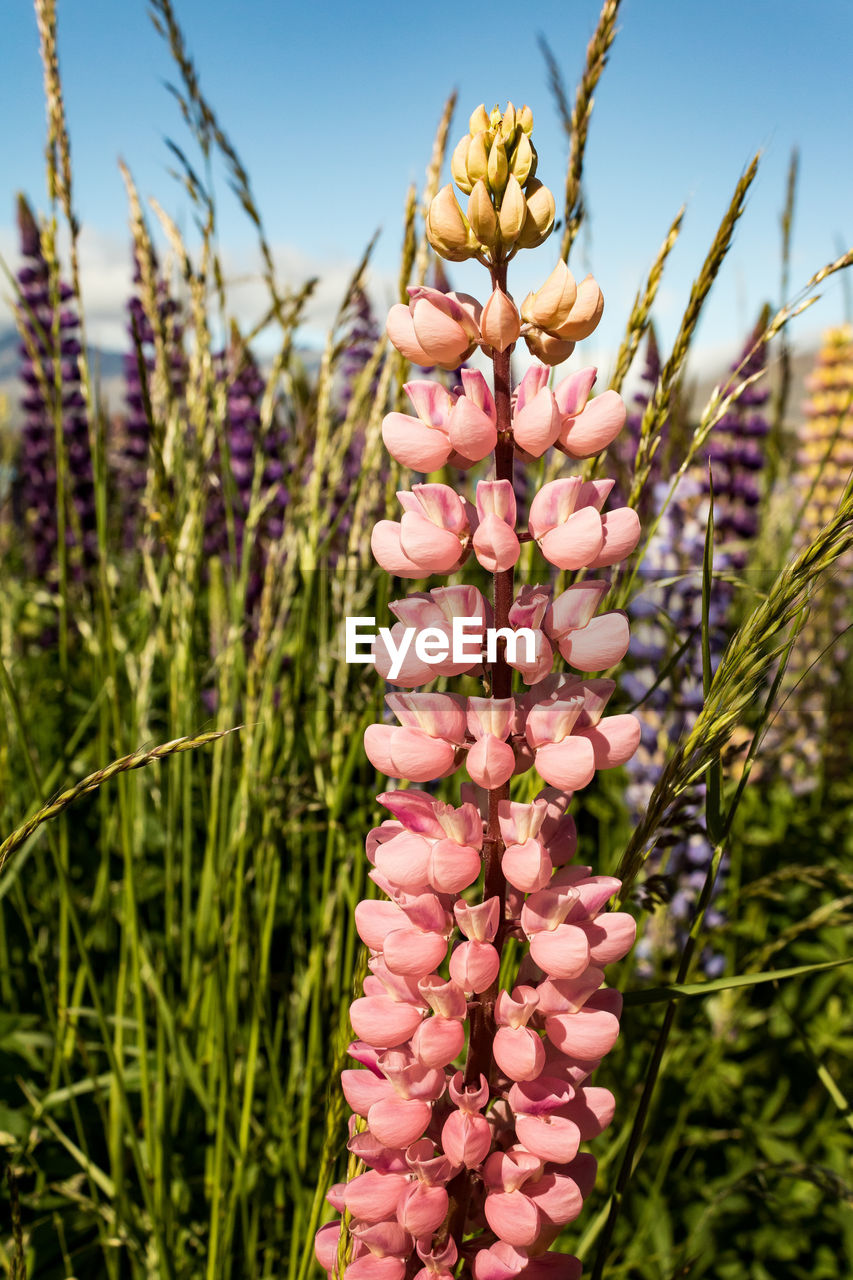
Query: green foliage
[(177, 948)]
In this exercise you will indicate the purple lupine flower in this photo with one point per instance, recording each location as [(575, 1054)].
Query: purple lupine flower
[(245, 386), (139, 362), (43, 352), (360, 345), (683, 854)]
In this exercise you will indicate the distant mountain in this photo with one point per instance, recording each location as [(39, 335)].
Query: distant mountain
[(107, 367)]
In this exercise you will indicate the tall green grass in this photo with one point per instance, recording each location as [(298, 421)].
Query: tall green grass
[(184, 799)]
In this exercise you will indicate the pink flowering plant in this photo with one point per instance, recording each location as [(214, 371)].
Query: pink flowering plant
[(472, 1094)]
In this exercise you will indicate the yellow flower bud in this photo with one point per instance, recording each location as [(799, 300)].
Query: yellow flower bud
[(508, 123), (477, 162), (545, 347), (479, 120), (458, 162), (500, 323), (550, 306), (447, 228), (498, 170), (525, 119), (512, 212), (540, 216), (584, 314), (482, 216), (524, 160)]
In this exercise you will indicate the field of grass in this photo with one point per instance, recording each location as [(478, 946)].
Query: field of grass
[(184, 795)]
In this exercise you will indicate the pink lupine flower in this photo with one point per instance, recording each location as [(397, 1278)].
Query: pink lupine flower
[(495, 542), (587, 426), (433, 536), (436, 328), (466, 1135), (422, 442), (536, 418), (491, 760), (424, 747), (570, 536), (472, 426), (518, 1050), (509, 1143), (457, 429)]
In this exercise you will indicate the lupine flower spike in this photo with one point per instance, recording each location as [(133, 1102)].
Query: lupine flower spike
[(471, 1095)]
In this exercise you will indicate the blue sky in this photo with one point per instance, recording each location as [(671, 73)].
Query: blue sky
[(333, 108)]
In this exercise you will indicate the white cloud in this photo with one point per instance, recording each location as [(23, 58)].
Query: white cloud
[(106, 281)]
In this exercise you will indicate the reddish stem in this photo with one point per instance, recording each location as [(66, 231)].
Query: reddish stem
[(480, 1060)]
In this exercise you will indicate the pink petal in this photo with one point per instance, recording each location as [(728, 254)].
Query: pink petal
[(443, 339), (594, 428), (562, 952), (479, 921), (549, 1137), (500, 1262), (441, 715), (326, 1245), (415, 809), (362, 1089), (575, 607), (383, 1022), (594, 493), (374, 1196), (588, 1034), (527, 866), (496, 545), (519, 1052), (621, 529), (569, 764), (401, 330), (600, 644), (422, 1209), (575, 544), (397, 1122), (431, 401), (573, 392), (512, 1217), (374, 920), (413, 444), (411, 951), (471, 431), (474, 965), (377, 746), (371, 1267), (531, 384), (438, 1041), (388, 552), (446, 999), (453, 867), (466, 1138), (442, 505), (592, 1110), (385, 1239), (557, 1198), (611, 936), (491, 762), (553, 504), (432, 549), (537, 425), (478, 392), (552, 721), (614, 740), (417, 756)]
